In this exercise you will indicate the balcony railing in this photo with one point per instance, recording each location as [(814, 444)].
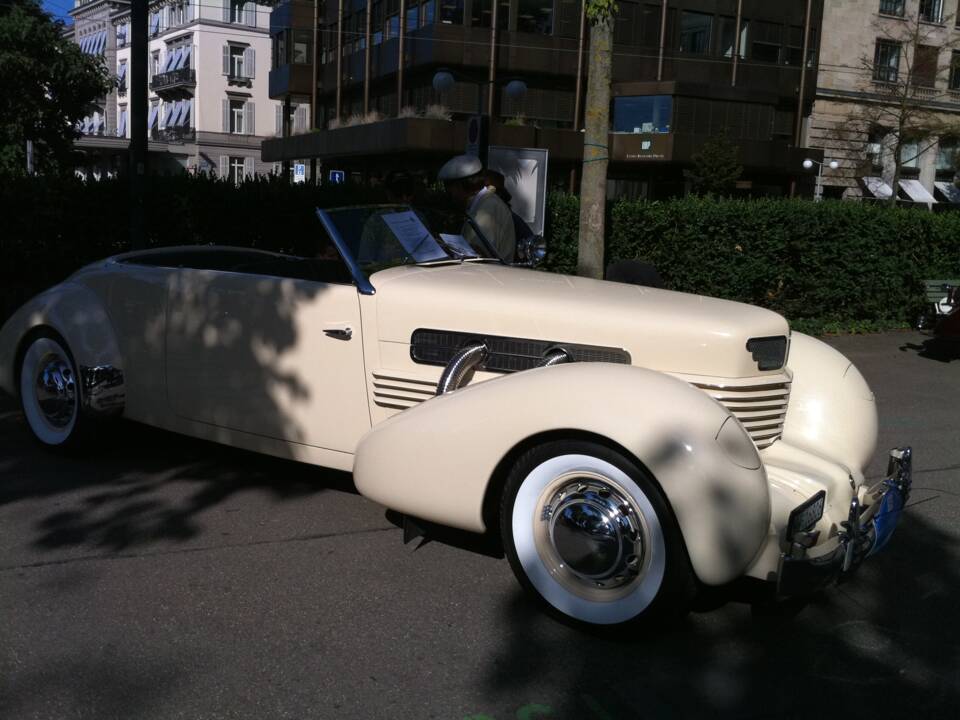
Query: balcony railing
[(174, 78), (175, 134)]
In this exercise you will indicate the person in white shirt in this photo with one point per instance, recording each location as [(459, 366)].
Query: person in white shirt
[(465, 181)]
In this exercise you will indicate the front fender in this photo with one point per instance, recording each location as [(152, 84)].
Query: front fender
[(435, 461), (77, 314)]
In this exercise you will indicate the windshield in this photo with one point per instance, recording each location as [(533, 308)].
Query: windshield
[(377, 237)]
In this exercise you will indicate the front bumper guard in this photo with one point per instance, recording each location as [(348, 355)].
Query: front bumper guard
[(859, 539)]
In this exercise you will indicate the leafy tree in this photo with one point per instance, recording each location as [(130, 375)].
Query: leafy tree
[(716, 167), (46, 87)]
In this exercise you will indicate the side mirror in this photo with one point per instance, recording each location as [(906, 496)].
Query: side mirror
[(531, 251)]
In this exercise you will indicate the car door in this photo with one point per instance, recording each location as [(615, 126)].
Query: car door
[(273, 356)]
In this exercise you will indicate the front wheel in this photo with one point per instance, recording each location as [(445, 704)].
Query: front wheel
[(589, 532), (50, 392)]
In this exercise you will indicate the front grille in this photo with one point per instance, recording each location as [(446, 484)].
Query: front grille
[(760, 406)]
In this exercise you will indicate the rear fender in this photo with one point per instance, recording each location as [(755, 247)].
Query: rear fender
[(77, 314), (435, 461)]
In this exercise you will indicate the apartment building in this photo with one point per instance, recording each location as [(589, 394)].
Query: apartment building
[(875, 55), (208, 65), (683, 70)]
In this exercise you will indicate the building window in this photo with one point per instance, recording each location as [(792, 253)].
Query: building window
[(236, 117), (451, 12), (122, 77), (793, 52), (955, 71), (947, 155), (154, 63), (910, 155), (237, 173), (886, 61), (535, 16), (122, 122), (302, 44), (236, 10), (483, 13), (892, 7), (931, 11), (642, 114), (925, 66), (728, 36), (766, 42), (695, 31), (239, 63)]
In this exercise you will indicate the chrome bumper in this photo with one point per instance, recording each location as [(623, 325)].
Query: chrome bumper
[(860, 538)]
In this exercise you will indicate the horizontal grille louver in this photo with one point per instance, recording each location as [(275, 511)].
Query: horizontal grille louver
[(401, 393), (760, 407)]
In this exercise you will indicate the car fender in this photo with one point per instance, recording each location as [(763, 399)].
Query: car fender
[(436, 461), (77, 314), (832, 411)]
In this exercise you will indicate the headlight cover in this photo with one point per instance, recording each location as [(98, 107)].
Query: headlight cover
[(770, 353), (737, 445)]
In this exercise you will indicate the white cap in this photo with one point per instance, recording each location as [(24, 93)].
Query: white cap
[(460, 167)]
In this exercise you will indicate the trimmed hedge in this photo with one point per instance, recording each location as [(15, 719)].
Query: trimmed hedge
[(829, 266)]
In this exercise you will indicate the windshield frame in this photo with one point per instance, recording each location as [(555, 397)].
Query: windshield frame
[(360, 278)]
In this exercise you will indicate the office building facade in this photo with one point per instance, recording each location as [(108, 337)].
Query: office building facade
[(683, 71)]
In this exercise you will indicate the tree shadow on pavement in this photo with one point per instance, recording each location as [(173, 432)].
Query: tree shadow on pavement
[(882, 645), (935, 349), (118, 496)]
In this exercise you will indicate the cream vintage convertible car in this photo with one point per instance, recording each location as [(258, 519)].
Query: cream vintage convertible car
[(627, 444)]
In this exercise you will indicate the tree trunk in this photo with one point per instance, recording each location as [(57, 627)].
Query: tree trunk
[(593, 182)]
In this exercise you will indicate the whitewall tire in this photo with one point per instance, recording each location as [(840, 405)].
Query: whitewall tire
[(589, 532), (50, 391)]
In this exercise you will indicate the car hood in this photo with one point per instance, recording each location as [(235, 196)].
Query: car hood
[(662, 330)]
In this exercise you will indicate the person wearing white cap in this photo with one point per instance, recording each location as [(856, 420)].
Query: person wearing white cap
[(464, 179)]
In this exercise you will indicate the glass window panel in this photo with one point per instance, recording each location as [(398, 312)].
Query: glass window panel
[(643, 114), (886, 61), (302, 42), (451, 12), (695, 30), (536, 16), (892, 7), (727, 38), (947, 154)]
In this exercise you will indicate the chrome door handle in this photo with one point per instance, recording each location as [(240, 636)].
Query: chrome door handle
[(340, 332)]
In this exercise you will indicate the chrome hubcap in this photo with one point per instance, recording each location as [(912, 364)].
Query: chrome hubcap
[(594, 533), (56, 391)]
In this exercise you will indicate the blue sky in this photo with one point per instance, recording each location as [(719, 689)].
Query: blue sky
[(58, 8)]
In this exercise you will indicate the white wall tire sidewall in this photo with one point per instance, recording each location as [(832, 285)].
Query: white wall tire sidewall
[(523, 518), (32, 358)]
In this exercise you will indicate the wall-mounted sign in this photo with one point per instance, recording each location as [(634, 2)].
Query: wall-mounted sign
[(299, 173), (338, 177)]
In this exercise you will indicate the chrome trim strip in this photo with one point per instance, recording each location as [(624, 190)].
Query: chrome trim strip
[(359, 277), (104, 390)]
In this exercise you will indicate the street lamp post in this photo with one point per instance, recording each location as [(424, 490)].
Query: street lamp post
[(808, 163), (444, 80)]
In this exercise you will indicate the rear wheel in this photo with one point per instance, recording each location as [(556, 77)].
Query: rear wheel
[(588, 532), (50, 392)]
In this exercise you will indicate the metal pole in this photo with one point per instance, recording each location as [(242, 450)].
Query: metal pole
[(366, 60), (483, 149), (577, 100), (314, 69), (798, 138), (818, 193), (663, 40), (138, 119), (339, 59), (736, 43), (29, 157), (403, 32), (492, 73)]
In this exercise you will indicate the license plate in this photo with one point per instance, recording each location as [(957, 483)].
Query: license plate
[(804, 517)]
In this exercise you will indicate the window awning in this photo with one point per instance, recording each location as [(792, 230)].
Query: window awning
[(152, 120), (168, 112), (101, 42), (122, 126), (185, 115), (878, 188), (121, 72), (183, 57), (916, 191), (154, 23), (177, 58), (174, 120), (950, 191)]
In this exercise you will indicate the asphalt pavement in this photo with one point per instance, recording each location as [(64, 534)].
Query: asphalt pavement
[(163, 577)]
